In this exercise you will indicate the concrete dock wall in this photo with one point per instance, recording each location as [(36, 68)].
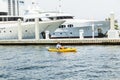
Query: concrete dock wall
[(87, 41)]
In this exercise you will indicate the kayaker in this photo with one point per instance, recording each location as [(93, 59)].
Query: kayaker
[(59, 46)]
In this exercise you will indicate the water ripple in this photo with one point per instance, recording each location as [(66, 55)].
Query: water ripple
[(4, 76), (36, 63), (33, 67)]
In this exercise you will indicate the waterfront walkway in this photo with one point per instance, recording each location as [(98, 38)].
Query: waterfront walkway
[(85, 41)]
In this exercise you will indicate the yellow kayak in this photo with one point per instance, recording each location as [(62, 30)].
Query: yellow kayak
[(62, 50)]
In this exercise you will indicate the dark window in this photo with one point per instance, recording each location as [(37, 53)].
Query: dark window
[(62, 26), (0, 19), (29, 20), (5, 19), (64, 17), (14, 18), (70, 25), (10, 31), (51, 18), (3, 13), (58, 18), (26, 20), (40, 19)]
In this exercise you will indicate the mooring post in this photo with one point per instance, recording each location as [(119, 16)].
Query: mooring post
[(81, 31), (112, 27), (93, 34), (112, 33), (47, 35), (19, 30), (37, 28)]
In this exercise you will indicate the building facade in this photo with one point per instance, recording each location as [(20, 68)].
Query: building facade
[(3, 7), (15, 7), (12, 7)]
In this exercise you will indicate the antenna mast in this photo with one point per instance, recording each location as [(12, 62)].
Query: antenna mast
[(59, 6)]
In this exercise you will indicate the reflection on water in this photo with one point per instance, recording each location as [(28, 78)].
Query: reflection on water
[(36, 63)]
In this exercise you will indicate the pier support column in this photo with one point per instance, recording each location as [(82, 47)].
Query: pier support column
[(37, 28), (19, 30), (112, 33), (47, 35), (81, 34)]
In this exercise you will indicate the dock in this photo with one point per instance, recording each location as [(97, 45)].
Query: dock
[(85, 41)]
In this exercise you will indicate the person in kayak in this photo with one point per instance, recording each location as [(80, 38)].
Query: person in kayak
[(59, 46)]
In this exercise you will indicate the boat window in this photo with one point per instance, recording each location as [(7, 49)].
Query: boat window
[(51, 18), (26, 20), (58, 18), (65, 17), (70, 25), (47, 14), (30, 20), (69, 17), (4, 19), (40, 19), (21, 18), (62, 26), (0, 19), (70, 32), (10, 31), (10, 18), (14, 18), (3, 13)]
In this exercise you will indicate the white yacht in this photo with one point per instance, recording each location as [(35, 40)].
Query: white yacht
[(71, 27), (9, 27)]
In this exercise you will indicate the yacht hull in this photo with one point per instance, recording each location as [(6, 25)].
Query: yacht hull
[(10, 30), (74, 32)]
